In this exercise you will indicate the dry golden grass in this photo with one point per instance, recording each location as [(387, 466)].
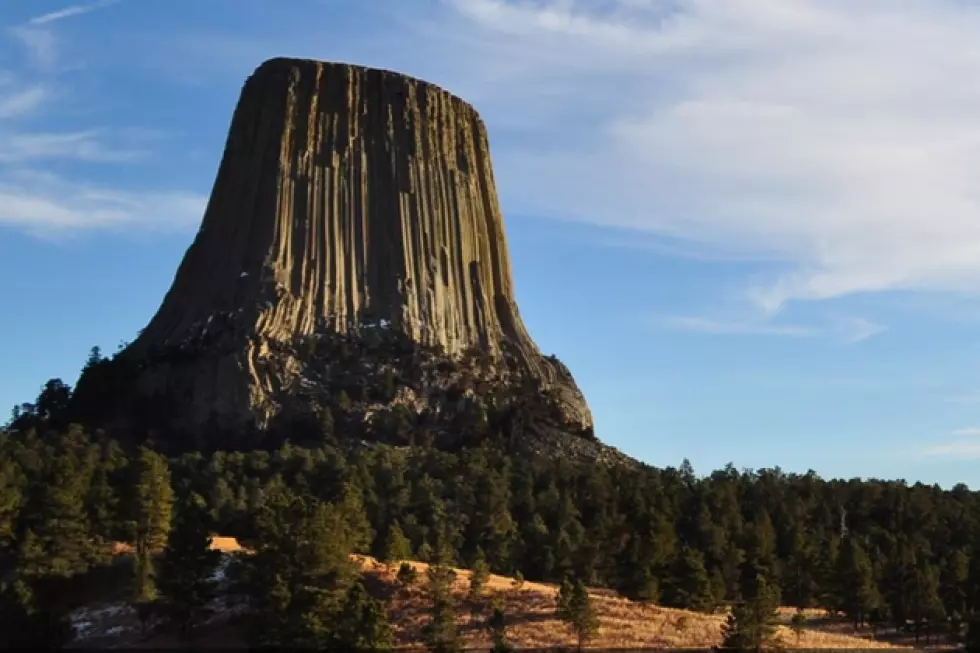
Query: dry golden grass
[(532, 622)]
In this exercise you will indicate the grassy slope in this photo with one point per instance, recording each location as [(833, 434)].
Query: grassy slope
[(530, 617)]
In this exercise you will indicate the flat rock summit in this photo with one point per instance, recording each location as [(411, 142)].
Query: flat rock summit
[(354, 208)]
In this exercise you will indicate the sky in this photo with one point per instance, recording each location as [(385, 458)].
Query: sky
[(750, 228)]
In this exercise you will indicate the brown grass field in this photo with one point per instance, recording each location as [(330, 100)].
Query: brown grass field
[(531, 621)]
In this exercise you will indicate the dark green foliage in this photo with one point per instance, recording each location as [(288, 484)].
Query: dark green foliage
[(563, 601), (690, 586), (66, 493), (439, 632), (497, 625), (478, 577), (187, 566), (29, 619), (397, 546), (858, 593), (751, 625), (151, 513), (11, 500), (299, 576), (362, 624), (407, 574), (575, 609)]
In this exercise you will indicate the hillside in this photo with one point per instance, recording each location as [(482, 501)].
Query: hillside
[(530, 609)]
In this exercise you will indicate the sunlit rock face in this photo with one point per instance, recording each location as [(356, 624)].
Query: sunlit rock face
[(348, 200)]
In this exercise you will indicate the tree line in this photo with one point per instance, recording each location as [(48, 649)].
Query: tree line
[(883, 553)]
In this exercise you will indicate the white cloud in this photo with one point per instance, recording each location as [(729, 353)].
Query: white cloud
[(40, 44), (967, 432), (843, 137), (80, 146), (48, 206), (22, 102), (963, 450), (68, 12), (718, 327), (855, 329), (848, 330)]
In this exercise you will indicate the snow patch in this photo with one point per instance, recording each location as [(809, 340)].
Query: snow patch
[(82, 627), (221, 570)]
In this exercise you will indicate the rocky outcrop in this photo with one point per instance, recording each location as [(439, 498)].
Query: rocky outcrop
[(349, 200)]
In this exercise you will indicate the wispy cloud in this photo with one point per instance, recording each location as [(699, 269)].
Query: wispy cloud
[(87, 145), (835, 135), (41, 45), (48, 206), (716, 327), (22, 102), (965, 444), (68, 12), (855, 329), (849, 330), (967, 449)]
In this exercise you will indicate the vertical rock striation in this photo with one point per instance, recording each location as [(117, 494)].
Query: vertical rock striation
[(348, 199)]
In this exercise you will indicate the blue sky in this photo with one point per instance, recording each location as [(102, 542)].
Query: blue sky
[(749, 228)]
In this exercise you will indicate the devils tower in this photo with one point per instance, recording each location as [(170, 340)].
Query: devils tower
[(356, 207)]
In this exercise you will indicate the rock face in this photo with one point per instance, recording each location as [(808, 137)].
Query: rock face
[(349, 200)]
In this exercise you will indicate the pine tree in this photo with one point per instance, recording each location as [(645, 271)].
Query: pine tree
[(151, 517), (397, 546), (858, 592), (406, 574), (479, 575), (298, 578), (575, 608), (11, 500), (497, 625), (954, 582), (690, 585), (32, 560), (358, 526), (186, 568), (973, 582), (751, 624), (363, 623), (517, 584), (926, 604), (563, 600), (63, 528), (440, 632)]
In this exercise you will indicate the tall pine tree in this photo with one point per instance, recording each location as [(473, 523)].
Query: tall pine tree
[(186, 569), (151, 514)]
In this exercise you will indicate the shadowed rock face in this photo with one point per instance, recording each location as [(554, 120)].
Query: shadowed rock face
[(348, 200)]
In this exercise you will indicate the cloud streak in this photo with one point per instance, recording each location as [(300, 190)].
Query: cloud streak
[(717, 327), (960, 450), (849, 330), (50, 207), (69, 12), (88, 146), (22, 102)]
